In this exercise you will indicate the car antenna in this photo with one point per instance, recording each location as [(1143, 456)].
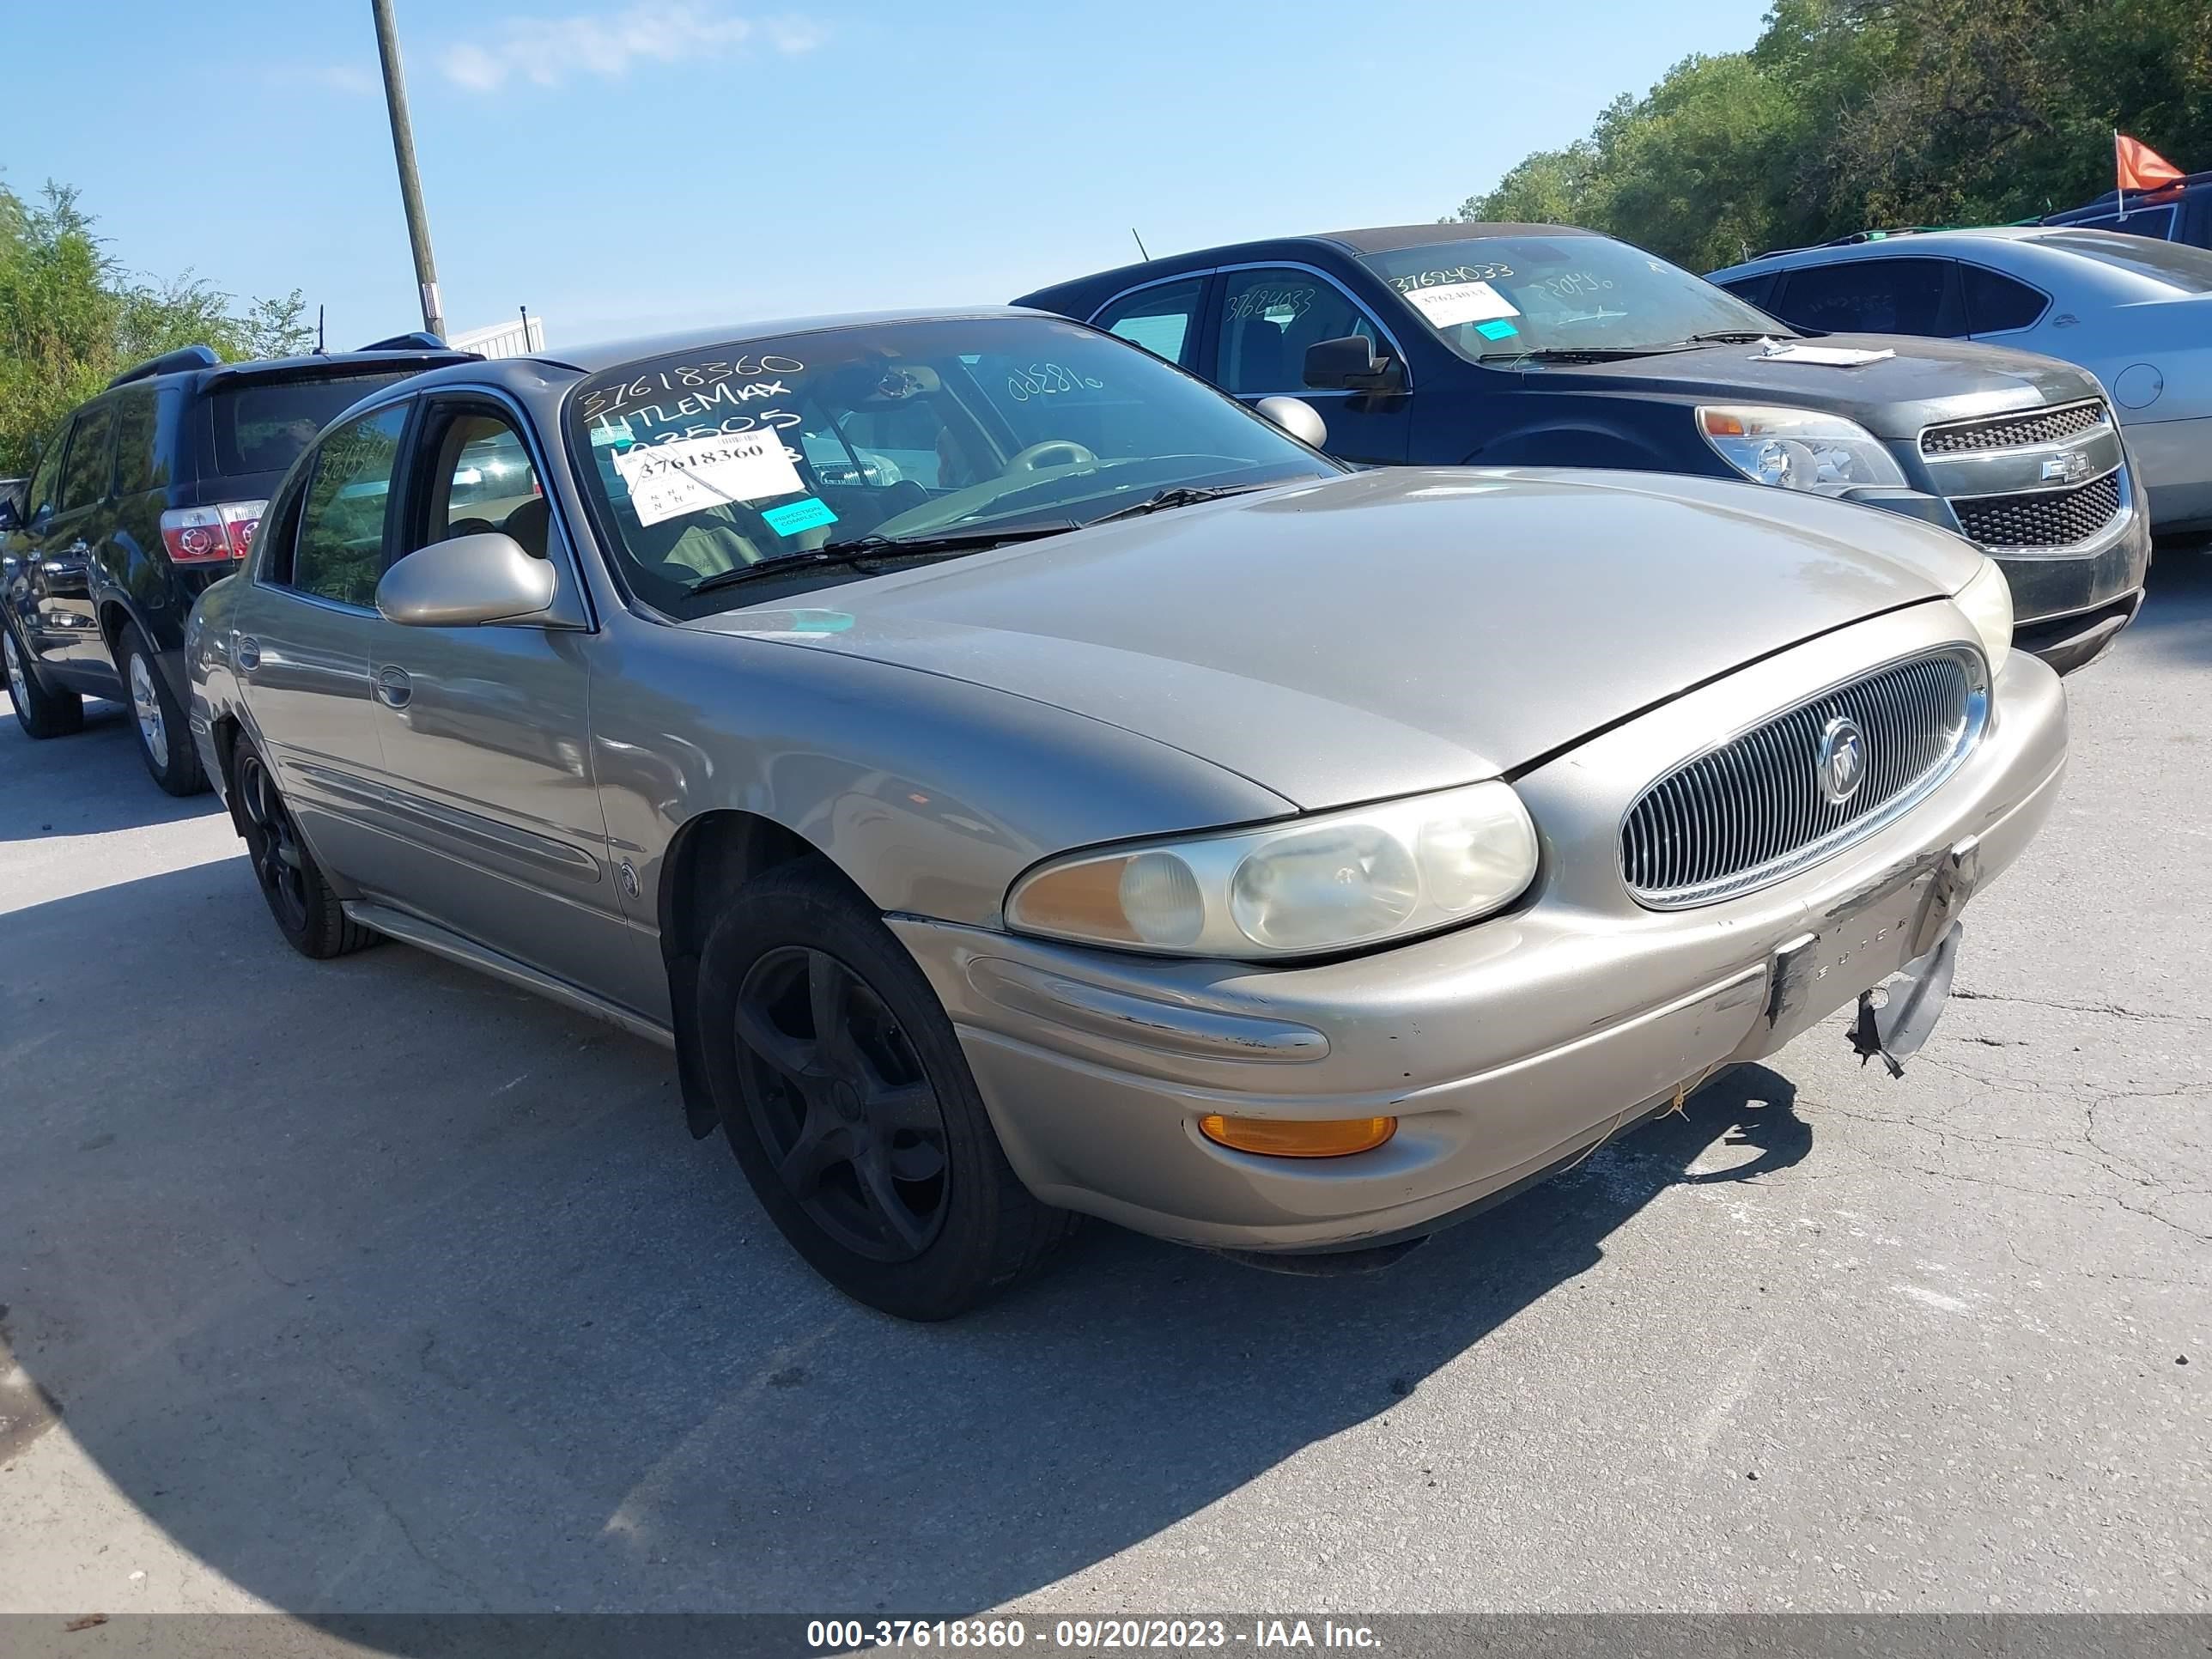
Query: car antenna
[(1140, 244), (321, 350)]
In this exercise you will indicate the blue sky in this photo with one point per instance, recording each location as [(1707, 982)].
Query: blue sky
[(648, 164)]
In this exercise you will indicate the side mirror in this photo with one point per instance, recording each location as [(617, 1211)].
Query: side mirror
[(466, 582), (1350, 365), (1296, 416)]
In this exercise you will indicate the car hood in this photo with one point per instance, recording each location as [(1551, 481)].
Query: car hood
[(1383, 633), (1924, 381)]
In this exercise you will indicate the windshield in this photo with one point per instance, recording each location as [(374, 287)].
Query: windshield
[(1499, 297), (2176, 264), (709, 461), (261, 426)]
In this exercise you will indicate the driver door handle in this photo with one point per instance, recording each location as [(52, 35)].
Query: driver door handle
[(246, 653), (393, 688)]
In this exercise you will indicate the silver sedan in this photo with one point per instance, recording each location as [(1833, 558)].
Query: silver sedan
[(1018, 781), (2135, 311)]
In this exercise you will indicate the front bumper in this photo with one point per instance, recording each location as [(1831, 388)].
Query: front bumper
[(1503, 1047)]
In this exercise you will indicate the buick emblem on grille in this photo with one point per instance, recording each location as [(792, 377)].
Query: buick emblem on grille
[(1839, 763), (2070, 468)]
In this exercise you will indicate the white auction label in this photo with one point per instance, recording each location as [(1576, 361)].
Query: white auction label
[(1449, 304), (667, 481)]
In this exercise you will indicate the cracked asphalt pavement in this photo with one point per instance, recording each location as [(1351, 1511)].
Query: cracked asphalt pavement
[(375, 1285)]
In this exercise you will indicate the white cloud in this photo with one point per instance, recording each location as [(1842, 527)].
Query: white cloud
[(548, 51)]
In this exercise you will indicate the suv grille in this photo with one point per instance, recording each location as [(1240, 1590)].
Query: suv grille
[(2044, 426), (2040, 518), (1753, 810)]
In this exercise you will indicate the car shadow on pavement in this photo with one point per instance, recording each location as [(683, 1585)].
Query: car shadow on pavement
[(381, 1288), (85, 784), (2175, 620)]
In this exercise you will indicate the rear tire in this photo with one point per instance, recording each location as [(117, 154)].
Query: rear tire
[(165, 736), (40, 713), (307, 913), (872, 1152)]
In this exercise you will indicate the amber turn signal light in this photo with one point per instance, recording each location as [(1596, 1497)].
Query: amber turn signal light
[(1279, 1137)]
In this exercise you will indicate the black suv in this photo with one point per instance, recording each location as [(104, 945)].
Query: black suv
[(144, 496), (2179, 212), (1538, 345)]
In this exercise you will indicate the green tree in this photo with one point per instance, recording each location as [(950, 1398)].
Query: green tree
[(1847, 114), (71, 318)]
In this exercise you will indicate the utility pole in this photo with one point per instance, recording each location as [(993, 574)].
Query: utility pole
[(410, 185)]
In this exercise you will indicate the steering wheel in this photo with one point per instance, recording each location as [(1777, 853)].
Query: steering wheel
[(1064, 452)]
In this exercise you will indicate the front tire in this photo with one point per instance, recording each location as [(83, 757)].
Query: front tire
[(165, 738), (307, 912), (40, 713), (844, 1094)]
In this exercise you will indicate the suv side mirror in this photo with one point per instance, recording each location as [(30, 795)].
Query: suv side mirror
[(1350, 365), (466, 582)]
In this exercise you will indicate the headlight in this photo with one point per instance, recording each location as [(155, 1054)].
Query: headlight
[(1302, 887), (1987, 601), (1797, 448)]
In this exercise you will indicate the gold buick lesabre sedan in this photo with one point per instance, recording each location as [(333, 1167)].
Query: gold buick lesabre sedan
[(1018, 781)]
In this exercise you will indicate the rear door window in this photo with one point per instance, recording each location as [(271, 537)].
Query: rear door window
[(1996, 302), (1163, 319), (262, 426), (1867, 296), (138, 468), (84, 474)]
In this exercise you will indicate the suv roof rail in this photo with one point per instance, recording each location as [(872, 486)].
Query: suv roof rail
[(169, 362), (419, 340)]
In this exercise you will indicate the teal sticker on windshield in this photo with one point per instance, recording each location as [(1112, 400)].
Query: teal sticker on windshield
[(1496, 329), (795, 516)]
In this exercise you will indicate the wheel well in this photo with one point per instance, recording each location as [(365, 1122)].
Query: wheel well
[(712, 856), (113, 619), (226, 730)]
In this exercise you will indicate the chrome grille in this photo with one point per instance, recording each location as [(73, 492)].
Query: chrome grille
[(1752, 810), (2040, 518), (2041, 426)]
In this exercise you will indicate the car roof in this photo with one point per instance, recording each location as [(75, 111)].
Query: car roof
[(1898, 246), (613, 354), (1377, 239)]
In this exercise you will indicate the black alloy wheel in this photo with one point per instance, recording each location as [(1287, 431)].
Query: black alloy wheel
[(844, 1093), (840, 1102), (307, 909), (272, 846)]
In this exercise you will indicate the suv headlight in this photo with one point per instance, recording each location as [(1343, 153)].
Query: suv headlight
[(1987, 601), (1797, 448), (1305, 887)]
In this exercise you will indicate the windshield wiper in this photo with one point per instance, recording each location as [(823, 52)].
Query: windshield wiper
[(1574, 354), (1738, 337), (1175, 496), (863, 550)]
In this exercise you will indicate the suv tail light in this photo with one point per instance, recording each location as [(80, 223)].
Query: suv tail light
[(211, 535)]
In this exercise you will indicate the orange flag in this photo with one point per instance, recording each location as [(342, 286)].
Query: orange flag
[(2141, 166)]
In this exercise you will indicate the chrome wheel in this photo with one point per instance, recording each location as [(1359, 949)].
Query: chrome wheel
[(153, 730), (273, 845), (841, 1104), (19, 686)]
